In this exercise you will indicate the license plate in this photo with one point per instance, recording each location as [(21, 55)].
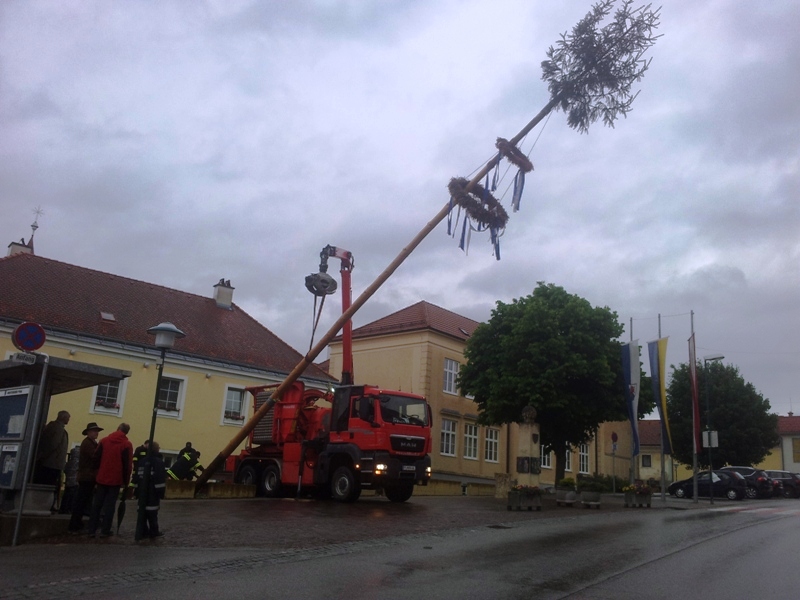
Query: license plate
[(409, 468)]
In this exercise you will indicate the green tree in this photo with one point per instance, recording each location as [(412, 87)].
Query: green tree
[(553, 352), (741, 415)]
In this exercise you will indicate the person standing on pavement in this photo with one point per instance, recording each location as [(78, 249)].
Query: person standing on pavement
[(114, 461), (86, 476), (51, 455), (155, 491), (138, 454)]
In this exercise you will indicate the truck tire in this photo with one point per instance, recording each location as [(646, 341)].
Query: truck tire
[(344, 487), (399, 493), (271, 481), (248, 475)]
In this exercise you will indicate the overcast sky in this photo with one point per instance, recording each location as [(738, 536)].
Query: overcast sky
[(183, 142)]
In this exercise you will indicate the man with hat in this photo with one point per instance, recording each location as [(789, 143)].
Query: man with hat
[(86, 475)]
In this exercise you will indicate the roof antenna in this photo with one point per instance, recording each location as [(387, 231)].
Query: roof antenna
[(35, 225)]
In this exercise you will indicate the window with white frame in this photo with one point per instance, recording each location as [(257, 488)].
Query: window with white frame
[(546, 464), (450, 376), (583, 458), (448, 441), (234, 405), (471, 441), (568, 459), (108, 397), (491, 446), (171, 395)]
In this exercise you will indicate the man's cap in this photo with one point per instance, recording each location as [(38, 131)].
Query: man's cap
[(92, 426)]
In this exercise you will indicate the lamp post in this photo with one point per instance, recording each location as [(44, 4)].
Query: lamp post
[(166, 334), (706, 360)]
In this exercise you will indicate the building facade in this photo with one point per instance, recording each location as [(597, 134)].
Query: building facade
[(102, 319)]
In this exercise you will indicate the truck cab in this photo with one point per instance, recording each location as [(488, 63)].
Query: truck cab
[(378, 439)]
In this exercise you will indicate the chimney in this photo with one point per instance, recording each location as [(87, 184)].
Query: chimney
[(223, 294), (20, 247)]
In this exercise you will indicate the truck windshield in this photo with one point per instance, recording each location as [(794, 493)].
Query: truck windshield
[(401, 409)]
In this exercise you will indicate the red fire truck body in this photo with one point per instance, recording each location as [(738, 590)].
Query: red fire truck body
[(338, 443)]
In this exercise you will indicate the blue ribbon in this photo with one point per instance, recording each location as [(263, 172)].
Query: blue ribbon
[(450, 217), (519, 185)]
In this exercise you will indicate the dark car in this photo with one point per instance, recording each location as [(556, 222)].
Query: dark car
[(759, 484), (790, 481), (727, 484)]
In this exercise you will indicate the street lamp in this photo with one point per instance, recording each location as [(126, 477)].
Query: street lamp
[(707, 359), (166, 334)]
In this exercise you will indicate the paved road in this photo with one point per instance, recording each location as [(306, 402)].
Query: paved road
[(214, 537)]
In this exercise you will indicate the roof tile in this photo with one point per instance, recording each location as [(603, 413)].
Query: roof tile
[(69, 298)]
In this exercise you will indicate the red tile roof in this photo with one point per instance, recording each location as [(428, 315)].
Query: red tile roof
[(788, 425), (67, 298), (417, 317), (650, 433)]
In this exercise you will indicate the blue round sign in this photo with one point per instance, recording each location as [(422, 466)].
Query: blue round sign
[(28, 337)]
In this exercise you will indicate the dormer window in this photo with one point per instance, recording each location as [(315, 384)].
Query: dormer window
[(108, 317)]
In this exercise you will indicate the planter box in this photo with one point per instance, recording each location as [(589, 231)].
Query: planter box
[(565, 496), (520, 500), (589, 499), (633, 500)]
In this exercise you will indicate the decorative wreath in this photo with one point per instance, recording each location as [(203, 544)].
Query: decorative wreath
[(514, 155), (479, 204)]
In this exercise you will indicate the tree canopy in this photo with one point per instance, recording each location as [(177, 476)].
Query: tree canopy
[(741, 415), (553, 352)]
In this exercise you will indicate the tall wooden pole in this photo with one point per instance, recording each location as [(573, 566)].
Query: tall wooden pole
[(219, 460)]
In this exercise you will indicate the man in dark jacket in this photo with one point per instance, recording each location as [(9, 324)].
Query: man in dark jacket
[(155, 492), (51, 455), (114, 460), (86, 476)]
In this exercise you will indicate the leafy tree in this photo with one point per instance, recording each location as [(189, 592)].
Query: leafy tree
[(554, 353), (747, 430)]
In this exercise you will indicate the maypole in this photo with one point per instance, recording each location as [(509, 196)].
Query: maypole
[(590, 73)]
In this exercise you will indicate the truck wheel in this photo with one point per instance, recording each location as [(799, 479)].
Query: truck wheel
[(249, 476), (271, 481), (400, 493), (344, 487)]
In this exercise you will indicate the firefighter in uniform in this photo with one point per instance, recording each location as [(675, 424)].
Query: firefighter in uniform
[(138, 455), (187, 464)]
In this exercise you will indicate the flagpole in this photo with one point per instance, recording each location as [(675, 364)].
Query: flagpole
[(694, 417)]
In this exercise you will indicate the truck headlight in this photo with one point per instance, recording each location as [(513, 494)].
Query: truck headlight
[(381, 468), (428, 471)]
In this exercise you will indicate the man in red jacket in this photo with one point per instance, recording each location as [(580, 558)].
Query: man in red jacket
[(114, 461)]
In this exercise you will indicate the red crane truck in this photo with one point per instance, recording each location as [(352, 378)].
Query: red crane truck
[(337, 443)]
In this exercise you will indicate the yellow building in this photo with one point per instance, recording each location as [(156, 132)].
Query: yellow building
[(102, 319)]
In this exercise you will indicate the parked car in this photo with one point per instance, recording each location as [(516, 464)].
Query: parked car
[(727, 484), (759, 484), (790, 482)]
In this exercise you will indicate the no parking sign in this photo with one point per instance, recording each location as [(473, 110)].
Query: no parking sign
[(28, 337)]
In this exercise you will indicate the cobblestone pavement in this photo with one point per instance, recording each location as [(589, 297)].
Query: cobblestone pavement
[(288, 523), (213, 536)]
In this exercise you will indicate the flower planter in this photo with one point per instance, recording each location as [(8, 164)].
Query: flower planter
[(634, 500), (590, 499), (565, 496), (519, 500)]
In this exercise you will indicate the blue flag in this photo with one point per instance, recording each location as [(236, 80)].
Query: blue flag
[(632, 375)]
